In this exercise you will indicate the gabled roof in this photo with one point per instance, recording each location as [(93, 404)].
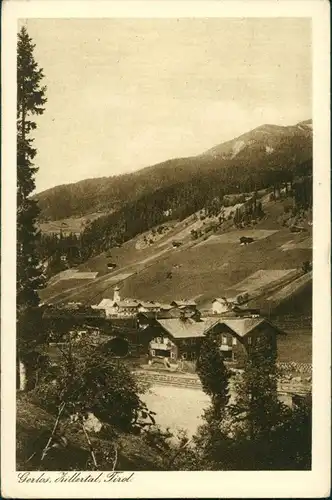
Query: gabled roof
[(188, 328), (128, 303), (165, 307), (183, 303), (243, 326), (106, 303), (150, 305)]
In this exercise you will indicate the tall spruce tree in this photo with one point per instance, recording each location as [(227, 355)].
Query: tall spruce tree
[(211, 441), (257, 401), (213, 374), (30, 102)]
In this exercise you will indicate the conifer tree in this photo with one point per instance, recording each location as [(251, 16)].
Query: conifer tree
[(30, 102), (213, 374), (257, 402)]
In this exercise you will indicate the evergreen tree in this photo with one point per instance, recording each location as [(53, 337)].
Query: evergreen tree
[(30, 102), (257, 394), (213, 374)]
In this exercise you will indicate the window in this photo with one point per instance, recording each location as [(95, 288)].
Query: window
[(224, 340), (234, 341), (153, 352), (184, 355), (172, 355), (192, 356), (249, 341)]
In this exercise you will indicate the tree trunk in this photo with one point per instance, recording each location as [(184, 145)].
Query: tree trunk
[(22, 373)]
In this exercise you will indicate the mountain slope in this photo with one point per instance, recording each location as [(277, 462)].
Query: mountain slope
[(263, 149), (266, 137), (202, 268)]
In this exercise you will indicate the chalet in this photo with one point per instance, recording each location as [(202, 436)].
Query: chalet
[(181, 338), (177, 338), (237, 336), (184, 304), (153, 307), (126, 307)]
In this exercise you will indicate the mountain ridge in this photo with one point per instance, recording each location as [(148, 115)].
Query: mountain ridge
[(289, 144)]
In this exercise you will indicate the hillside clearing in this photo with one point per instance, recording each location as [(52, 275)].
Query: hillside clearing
[(118, 277), (195, 270), (292, 244), (234, 236), (77, 275), (291, 288), (70, 225), (262, 278)]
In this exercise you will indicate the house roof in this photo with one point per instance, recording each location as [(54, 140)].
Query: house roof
[(150, 305), (183, 303), (188, 328), (128, 303), (243, 326), (106, 303)]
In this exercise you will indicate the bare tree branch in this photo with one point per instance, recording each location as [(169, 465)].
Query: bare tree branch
[(47, 447), (92, 453), (115, 457)]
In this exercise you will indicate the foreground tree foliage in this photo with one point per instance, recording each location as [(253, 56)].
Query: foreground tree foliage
[(86, 383), (214, 375), (254, 431), (30, 102)]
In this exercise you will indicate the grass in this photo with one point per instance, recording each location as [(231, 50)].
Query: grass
[(212, 269), (234, 236), (64, 285), (296, 346), (70, 225), (159, 272), (263, 277)]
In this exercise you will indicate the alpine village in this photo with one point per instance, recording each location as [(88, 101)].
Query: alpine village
[(164, 317)]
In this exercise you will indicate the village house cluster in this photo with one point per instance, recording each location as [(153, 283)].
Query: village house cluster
[(172, 332), (175, 331)]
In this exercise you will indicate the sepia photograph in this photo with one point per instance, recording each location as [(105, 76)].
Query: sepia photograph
[(164, 245)]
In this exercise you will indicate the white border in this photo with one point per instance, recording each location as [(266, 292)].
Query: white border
[(315, 483)]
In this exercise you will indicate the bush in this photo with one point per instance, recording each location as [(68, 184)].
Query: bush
[(87, 380)]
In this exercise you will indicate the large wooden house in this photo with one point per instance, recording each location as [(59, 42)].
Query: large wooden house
[(181, 338)]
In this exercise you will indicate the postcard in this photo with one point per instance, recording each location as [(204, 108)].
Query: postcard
[(165, 249)]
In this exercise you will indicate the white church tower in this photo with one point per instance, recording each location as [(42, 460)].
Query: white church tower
[(116, 296)]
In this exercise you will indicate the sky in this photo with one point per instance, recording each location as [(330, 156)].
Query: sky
[(124, 94)]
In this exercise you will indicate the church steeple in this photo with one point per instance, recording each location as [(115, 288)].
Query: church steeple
[(116, 296)]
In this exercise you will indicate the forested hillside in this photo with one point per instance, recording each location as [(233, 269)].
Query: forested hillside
[(250, 161)]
